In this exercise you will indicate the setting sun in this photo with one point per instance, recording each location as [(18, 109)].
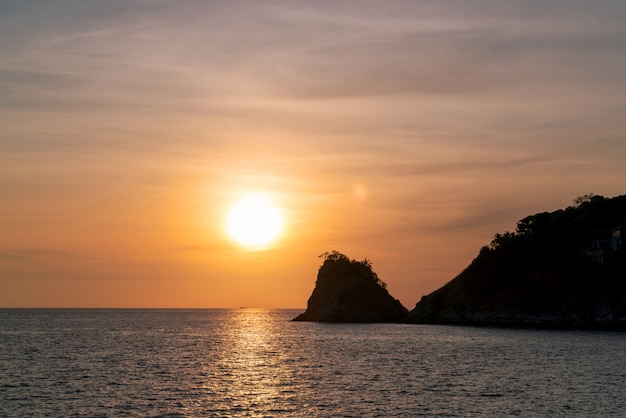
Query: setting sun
[(254, 221)]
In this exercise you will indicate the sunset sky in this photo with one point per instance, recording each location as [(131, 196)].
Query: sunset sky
[(405, 132)]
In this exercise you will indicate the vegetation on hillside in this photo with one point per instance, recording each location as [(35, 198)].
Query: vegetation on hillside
[(342, 262), (564, 264), (559, 240)]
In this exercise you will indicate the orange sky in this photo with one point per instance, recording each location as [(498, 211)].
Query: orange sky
[(404, 132)]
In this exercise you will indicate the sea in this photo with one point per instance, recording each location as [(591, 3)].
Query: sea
[(258, 363)]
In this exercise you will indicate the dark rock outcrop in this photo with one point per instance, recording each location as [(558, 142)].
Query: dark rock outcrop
[(564, 269), (349, 291)]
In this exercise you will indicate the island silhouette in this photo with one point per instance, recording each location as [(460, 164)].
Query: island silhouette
[(561, 269), (347, 290)]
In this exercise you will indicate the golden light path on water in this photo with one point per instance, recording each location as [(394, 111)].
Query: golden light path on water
[(252, 370)]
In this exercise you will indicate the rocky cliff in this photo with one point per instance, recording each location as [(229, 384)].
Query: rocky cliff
[(349, 291)]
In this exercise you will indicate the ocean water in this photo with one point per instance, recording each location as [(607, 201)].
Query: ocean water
[(246, 362)]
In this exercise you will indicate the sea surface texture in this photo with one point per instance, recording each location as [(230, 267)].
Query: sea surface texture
[(245, 362)]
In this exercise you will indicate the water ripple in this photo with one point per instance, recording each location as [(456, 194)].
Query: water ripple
[(246, 362)]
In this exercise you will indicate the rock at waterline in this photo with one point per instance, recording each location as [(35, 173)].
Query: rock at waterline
[(349, 291)]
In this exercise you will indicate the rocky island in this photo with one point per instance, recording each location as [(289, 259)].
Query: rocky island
[(562, 269), (350, 291)]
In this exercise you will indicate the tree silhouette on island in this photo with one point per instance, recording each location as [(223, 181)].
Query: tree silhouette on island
[(562, 269)]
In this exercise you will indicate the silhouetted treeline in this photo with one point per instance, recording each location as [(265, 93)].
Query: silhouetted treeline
[(342, 263)]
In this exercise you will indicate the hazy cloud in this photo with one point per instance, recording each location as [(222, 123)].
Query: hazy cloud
[(40, 255)]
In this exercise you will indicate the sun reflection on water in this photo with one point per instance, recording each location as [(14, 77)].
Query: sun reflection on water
[(251, 373)]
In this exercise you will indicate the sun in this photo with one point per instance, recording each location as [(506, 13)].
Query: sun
[(254, 221)]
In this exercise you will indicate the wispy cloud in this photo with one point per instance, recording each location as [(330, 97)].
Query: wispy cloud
[(41, 255)]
